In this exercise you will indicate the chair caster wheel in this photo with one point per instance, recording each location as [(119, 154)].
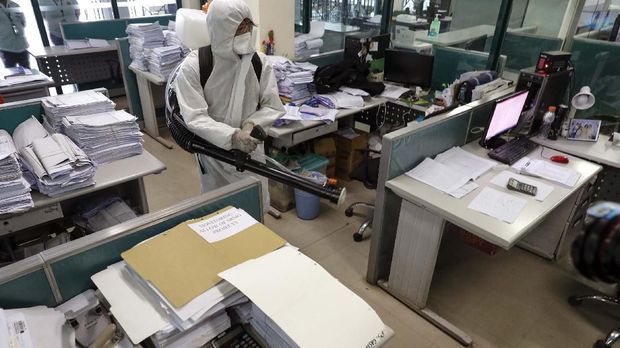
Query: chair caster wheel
[(601, 344), (348, 212), (357, 237), (574, 301)]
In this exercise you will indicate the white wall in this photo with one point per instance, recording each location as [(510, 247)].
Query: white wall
[(276, 15)]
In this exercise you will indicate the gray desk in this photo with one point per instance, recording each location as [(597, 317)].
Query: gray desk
[(28, 90), (424, 212), (124, 176), (146, 81)]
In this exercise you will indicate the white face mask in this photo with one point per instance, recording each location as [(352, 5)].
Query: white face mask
[(244, 44)]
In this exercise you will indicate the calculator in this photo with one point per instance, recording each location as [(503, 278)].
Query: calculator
[(516, 185), (237, 337)]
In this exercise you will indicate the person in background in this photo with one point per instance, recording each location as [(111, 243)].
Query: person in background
[(13, 43), (56, 12), (234, 99)]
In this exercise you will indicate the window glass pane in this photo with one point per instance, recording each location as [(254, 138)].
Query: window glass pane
[(145, 8), (339, 18), (56, 12), (13, 44), (595, 51)]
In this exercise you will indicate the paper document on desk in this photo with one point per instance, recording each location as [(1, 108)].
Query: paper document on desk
[(224, 225), (393, 92), (354, 91), (441, 177), (500, 205), (465, 163), (307, 303), (546, 170), (543, 190)]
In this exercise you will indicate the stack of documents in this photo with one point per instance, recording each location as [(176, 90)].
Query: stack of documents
[(35, 327), (295, 80), (162, 60), (310, 44), (86, 43), (58, 165), (452, 171), (171, 281), (107, 136), (143, 36), (75, 104), (14, 189), (546, 170), (102, 213), (341, 100), (307, 113), (173, 40)]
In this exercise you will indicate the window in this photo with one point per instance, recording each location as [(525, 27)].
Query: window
[(145, 8), (338, 18), (31, 32)]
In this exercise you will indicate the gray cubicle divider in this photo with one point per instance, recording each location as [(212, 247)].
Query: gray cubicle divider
[(109, 29), (129, 79), (58, 274), (404, 149), (12, 114), (451, 62), (70, 266)]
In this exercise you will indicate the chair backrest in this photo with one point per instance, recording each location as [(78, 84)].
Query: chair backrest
[(615, 31)]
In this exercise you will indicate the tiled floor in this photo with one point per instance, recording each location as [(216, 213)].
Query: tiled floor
[(512, 299)]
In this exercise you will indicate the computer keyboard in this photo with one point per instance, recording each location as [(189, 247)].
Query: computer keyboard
[(513, 150)]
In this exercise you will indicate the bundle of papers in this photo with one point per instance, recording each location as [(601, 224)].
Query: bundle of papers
[(307, 113), (86, 43), (311, 43), (75, 104), (295, 80), (58, 165), (173, 40), (107, 136), (14, 190), (35, 327), (452, 171), (341, 100), (103, 213), (162, 60), (549, 171), (143, 36)]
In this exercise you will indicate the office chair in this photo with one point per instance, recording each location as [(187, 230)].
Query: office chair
[(367, 172), (614, 32), (596, 255)]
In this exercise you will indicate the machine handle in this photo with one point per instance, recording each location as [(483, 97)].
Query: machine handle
[(258, 133)]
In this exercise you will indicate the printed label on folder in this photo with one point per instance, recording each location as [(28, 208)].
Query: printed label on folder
[(223, 225)]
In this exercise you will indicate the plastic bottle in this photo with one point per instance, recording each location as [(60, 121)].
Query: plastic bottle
[(433, 31), (548, 119)]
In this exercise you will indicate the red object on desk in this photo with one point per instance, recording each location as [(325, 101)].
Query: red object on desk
[(559, 159), (2, 100)]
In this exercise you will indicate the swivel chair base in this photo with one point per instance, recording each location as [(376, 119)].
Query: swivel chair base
[(614, 335), (359, 235)]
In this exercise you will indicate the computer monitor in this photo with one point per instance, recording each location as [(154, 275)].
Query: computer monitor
[(408, 67), (505, 117)]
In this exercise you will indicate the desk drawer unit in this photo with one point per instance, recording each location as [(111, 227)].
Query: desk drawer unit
[(30, 218)]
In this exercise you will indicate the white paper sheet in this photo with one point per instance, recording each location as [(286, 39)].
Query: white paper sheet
[(439, 176), (542, 193), (42, 327), (500, 205), (287, 285), (353, 91), (465, 163), (393, 92), (546, 170), (223, 225)]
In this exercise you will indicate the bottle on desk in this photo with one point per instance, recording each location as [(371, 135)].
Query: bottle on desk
[(548, 119), (433, 31)]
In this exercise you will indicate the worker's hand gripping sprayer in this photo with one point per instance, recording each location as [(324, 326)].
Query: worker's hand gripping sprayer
[(242, 161)]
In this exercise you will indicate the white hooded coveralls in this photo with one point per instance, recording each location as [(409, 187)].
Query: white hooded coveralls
[(230, 97)]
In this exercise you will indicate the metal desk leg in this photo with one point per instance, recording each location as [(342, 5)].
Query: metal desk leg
[(413, 263), (148, 111)]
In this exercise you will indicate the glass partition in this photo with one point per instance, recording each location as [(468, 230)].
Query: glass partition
[(145, 8), (18, 33)]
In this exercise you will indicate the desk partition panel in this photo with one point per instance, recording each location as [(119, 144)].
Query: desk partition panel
[(107, 29), (12, 114), (24, 284)]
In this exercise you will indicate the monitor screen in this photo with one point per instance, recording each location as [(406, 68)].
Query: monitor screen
[(506, 115), (408, 67)]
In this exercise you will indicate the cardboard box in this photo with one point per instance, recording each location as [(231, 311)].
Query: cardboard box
[(325, 147), (348, 157), (331, 171)]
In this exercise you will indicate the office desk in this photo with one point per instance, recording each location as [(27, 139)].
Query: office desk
[(124, 177), (424, 211), (28, 90), (146, 80), (602, 152), (86, 65)]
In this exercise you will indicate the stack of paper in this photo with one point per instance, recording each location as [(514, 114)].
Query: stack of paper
[(311, 43), (173, 40), (547, 170), (307, 113), (295, 80), (285, 285), (35, 327), (342, 100), (58, 165), (14, 189), (75, 104), (170, 281), (102, 213), (452, 171), (143, 36), (86, 43), (162, 60), (107, 136)]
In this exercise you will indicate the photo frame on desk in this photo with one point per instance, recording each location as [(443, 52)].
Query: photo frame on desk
[(584, 130)]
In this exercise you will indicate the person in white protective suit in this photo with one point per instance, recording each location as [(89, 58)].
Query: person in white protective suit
[(224, 110)]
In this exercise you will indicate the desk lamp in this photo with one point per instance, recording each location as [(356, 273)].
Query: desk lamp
[(581, 101)]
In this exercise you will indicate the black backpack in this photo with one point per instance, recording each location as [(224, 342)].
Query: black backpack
[(205, 62)]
